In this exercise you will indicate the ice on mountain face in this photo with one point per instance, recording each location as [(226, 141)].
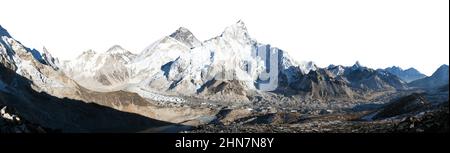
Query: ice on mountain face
[(237, 31), (149, 62), (116, 49), (11, 46), (336, 70), (232, 56), (93, 61), (186, 37), (227, 57), (15, 52), (101, 71), (30, 64), (182, 64), (155, 96), (83, 65), (27, 69), (306, 67), (117, 53)]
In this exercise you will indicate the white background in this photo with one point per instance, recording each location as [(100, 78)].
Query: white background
[(378, 33)]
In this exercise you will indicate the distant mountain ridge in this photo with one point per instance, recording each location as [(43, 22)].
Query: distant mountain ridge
[(407, 75), (438, 79), (180, 64)]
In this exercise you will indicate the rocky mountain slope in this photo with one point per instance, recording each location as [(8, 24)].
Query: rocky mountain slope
[(407, 75), (438, 79), (179, 64), (34, 85)]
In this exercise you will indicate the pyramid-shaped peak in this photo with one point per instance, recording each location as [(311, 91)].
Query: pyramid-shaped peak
[(239, 25), (115, 48), (443, 69), (443, 66), (186, 37), (237, 31), (182, 30), (357, 64)]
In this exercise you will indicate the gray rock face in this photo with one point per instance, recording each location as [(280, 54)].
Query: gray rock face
[(100, 71), (407, 75), (186, 37), (359, 77), (438, 79)]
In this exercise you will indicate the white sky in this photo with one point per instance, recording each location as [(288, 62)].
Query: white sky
[(381, 33)]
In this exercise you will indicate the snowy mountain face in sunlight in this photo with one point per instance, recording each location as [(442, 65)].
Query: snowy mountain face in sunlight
[(40, 68), (182, 64)]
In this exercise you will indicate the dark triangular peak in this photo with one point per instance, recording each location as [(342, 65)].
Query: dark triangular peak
[(186, 37), (442, 70), (357, 65)]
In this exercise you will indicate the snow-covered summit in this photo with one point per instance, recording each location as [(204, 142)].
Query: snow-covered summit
[(39, 67), (117, 49), (181, 63), (237, 31)]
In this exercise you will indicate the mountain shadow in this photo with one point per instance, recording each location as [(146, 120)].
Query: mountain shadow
[(68, 115)]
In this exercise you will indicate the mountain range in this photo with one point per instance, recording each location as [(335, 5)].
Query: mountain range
[(438, 79), (179, 64), (407, 75), (96, 91)]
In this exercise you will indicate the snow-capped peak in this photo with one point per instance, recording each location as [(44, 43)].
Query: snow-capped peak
[(185, 36), (241, 24), (306, 67), (237, 31), (179, 62), (396, 68), (117, 49), (442, 70)]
